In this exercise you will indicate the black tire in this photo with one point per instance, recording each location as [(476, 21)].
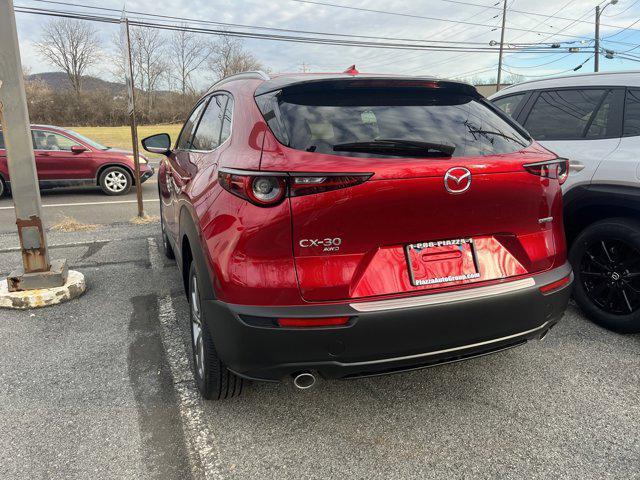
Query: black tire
[(3, 188), (167, 249), (606, 262), (212, 377), (115, 181)]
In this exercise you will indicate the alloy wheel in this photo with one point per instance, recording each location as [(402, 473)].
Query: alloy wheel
[(196, 327), (610, 274), (116, 181)]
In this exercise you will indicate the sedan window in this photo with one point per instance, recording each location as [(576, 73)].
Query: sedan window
[(45, 140)]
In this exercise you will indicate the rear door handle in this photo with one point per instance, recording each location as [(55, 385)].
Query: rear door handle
[(576, 166)]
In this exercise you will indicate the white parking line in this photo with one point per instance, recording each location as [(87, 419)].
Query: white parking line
[(204, 453), (83, 204)]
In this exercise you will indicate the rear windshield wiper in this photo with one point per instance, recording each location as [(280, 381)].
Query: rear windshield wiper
[(409, 148)]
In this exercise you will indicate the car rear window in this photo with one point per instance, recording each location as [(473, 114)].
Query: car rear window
[(319, 120)]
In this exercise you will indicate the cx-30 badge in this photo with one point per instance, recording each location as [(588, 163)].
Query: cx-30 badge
[(457, 180)]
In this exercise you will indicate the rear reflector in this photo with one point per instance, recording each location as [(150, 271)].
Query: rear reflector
[(313, 322), (555, 285)]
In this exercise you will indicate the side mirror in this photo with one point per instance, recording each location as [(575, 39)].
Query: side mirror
[(78, 149), (160, 143)]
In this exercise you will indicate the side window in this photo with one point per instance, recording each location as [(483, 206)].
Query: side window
[(2, 147), (601, 122), (43, 140), (632, 113), (207, 136), (563, 114), (509, 104), (227, 120), (184, 141)]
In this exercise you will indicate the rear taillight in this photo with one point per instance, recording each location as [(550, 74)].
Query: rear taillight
[(557, 169), (266, 189), (557, 285), (313, 322)]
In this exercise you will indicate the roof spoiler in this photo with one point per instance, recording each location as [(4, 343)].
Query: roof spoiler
[(351, 80)]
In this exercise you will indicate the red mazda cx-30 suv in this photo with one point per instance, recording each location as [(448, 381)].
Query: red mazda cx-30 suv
[(343, 225), (65, 158)]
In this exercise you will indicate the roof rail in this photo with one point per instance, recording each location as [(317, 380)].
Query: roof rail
[(252, 74)]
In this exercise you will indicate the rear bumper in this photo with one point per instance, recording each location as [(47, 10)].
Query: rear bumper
[(387, 336)]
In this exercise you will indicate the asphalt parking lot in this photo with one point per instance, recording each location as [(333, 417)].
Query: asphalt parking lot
[(101, 388)]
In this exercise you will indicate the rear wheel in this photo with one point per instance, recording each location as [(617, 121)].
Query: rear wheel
[(214, 380), (606, 263), (166, 246), (115, 181), (3, 188)]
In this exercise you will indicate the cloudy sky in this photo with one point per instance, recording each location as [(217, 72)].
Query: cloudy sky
[(528, 21)]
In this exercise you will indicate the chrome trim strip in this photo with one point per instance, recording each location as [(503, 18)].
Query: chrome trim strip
[(545, 220), (449, 350), (267, 173), (445, 297)]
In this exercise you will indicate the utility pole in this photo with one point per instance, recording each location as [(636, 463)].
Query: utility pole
[(504, 21), (596, 52), (132, 112), (37, 271), (596, 47)]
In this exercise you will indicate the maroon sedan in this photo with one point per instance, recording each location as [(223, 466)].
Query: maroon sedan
[(65, 158)]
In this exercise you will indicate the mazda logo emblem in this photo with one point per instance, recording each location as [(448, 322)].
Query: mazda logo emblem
[(457, 180)]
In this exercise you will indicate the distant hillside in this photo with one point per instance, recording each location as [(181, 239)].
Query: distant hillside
[(59, 81)]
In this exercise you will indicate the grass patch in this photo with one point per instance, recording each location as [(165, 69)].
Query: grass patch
[(120, 137), (70, 224)]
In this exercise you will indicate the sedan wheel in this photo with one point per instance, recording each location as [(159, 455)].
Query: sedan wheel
[(115, 181)]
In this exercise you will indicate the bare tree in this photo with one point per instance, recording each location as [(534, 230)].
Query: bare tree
[(229, 57), (148, 56), (71, 45), (187, 53), (149, 60)]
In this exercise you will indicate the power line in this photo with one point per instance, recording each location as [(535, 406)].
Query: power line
[(547, 18), (426, 17), (271, 36), (446, 60), (618, 33), (239, 25), (620, 13), (542, 64), (555, 73)]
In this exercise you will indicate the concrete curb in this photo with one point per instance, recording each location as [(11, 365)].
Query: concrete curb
[(74, 287)]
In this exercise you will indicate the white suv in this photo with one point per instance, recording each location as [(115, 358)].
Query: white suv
[(594, 121)]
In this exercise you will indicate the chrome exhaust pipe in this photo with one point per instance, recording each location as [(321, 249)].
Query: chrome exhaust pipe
[(304, 380)]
